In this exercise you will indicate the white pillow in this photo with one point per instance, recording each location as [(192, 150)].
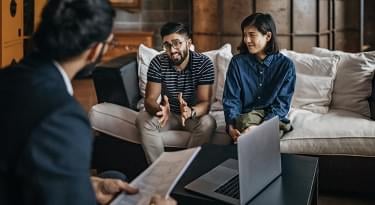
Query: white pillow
[(353, 81), (226, 50), (144, 57), (223, 60), (314, 83)]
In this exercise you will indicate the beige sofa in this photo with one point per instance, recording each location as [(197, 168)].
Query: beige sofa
[(330, 110), (324, 126)]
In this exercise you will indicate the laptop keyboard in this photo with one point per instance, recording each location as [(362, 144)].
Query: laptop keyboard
[(231, 188)]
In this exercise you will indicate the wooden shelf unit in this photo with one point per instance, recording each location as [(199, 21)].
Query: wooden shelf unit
[(128, 42)]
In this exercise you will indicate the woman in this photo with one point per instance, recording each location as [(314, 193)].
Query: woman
[(260, 80)]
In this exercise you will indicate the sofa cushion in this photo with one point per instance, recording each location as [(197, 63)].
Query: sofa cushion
[(222, 61), (314, 83), (114, 120), (144, 57), (353, 80), (220, 65), (337, 132), (220, 136)]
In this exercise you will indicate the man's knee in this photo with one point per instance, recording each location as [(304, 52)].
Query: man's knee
[(207, 122), (145, 120)]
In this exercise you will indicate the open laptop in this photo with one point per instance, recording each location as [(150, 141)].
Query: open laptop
[(259, 163)]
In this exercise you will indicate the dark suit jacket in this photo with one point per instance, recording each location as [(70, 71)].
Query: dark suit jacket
[(45, 138)]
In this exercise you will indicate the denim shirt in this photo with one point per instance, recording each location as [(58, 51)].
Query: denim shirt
[(251, 84)]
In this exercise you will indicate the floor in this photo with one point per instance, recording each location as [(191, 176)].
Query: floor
[(84, 91), (347, 199)]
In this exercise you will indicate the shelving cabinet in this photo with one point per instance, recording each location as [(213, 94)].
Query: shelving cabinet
[(11, 32)]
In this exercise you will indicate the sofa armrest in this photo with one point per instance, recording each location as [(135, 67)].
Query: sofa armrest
[(116, 81), (115, 120), (372, 100)]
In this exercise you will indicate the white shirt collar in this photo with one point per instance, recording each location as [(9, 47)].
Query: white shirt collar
[(67, 81)]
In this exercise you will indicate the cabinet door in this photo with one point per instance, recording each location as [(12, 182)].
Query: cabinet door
[(11, 20), (12, 52)]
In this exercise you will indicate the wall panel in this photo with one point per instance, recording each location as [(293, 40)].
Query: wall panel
[(301, 24)]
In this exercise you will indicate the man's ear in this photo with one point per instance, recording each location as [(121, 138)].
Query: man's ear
[(190, 44), (189, 41)]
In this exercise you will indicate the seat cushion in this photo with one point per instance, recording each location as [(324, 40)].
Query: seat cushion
[(337, 132), (220, 137)]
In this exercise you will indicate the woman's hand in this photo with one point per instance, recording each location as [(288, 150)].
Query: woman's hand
[(234, 133)]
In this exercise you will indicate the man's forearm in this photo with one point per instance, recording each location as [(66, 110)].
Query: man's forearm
[(152, 107), (202, 108)]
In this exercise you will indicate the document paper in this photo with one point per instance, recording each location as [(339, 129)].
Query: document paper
[(159, 178)]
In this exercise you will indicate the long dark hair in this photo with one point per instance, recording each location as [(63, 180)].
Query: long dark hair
[(264, 23), (69, 27)]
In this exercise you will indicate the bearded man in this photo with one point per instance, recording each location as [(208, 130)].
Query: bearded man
[(183, 79)]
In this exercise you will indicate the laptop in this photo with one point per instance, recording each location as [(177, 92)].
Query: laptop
[(259, 163)]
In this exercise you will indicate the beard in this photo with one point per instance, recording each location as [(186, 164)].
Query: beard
[(178, 57)]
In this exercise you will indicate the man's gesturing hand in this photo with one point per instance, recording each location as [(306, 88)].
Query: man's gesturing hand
[(184, 109), (164, 112)]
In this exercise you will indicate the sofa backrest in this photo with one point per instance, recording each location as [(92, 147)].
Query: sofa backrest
[(116, 81), (372, 99)]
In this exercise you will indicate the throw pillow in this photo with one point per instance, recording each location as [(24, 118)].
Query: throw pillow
[(144, 57), (314, 83), (352, 86), (223, 60), (225, 50)]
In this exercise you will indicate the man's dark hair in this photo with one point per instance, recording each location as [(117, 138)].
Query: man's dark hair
[(264, 23), (69, 27), (174, 27)]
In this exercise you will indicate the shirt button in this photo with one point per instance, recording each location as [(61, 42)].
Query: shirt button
[(261, 72), (258, 97), (260, 84)]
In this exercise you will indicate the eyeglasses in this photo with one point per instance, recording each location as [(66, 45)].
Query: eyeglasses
[(176, 44)]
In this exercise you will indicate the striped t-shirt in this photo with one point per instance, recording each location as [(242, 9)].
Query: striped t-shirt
[(199, 71)]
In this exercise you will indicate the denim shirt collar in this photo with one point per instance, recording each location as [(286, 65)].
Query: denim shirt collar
[(267, 60)]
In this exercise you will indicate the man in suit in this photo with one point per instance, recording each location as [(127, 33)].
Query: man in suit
[(46, 138)]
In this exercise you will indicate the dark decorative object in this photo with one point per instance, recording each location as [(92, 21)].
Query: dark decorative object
[(13, 8), (28, 17)]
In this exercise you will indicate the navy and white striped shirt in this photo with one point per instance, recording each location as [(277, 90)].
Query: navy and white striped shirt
[(199, 71)]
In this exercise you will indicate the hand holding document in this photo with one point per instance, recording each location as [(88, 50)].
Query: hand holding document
[(159, 178)]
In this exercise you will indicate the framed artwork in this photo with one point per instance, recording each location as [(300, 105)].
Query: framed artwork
[(126, 4)]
